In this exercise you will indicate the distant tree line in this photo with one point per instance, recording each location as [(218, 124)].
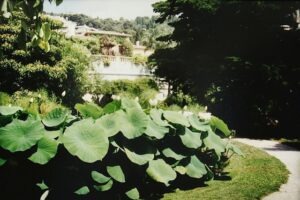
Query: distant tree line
[(143, 29)]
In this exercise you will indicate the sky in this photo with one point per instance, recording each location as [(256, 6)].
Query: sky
[(128, 9)]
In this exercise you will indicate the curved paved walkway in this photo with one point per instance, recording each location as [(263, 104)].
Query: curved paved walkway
[(290, 157)]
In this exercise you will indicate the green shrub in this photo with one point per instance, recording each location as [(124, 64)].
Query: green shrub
[(4, 99), (120, 152), (141, 88), (139, 59), (63, 68), (126, 48), (39, 102)]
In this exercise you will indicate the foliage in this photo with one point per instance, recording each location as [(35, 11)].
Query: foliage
[(236, 57), (143, 88), (91, 43), (123, 152), (63, 68), (139, 59), (126, 48), (40, 31), (39, 102), (143, 29)]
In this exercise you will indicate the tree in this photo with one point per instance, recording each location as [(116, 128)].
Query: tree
[(40, 31), (237, 57), (62, 68)]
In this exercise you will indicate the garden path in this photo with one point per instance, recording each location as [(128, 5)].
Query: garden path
[(287, 155)]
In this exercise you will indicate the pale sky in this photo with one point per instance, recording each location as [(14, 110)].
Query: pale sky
[(128, 9)]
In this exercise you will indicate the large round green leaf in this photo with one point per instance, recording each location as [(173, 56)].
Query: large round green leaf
[(195, 169), (169, 153), (160, 171), (112, 107), (191, 139), (89, 110), (195, 122), (154, 130), (214, 142), (47, 148), (9, 110), (235, 149), (82, 191), (116, 173), (156, 116), (99, 178), (139, 159), (105, 187), (55, 118), (110, 124), (2, 162), (86, 140), (176, 118), (42, 185), (139, 151), (130, 104), (133, 194), (133, 123), (220, 125), (21, 135)]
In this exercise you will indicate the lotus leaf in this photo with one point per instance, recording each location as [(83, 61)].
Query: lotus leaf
[(89, 110), (116, 173), (47, 148), (112, 107), (133, 194), (196, 124), (82, 191), (176, 118), (235, 149), (156, 116), (214, 142), (2, 162), (220, 125), (139, 159), (133, 123), (86, 140), (154, 130), (195, 169), (99, 178), (160, 171), (21, 135), (110, 123), (169, 153), (42, 186), (9, 110), (130, 104), (55, 118), (105, 187), (181, 170), (191, 139)]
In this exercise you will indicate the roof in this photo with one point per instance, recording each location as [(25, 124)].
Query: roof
[(100, 32), (94, 31)]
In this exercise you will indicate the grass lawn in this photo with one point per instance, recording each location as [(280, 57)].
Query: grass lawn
[(253, 177)]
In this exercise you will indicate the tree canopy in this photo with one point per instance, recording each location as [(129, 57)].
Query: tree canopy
[(240, 57), (62, 68), (143, 29)]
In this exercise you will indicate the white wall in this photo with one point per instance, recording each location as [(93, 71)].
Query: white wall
[(119, 68)]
